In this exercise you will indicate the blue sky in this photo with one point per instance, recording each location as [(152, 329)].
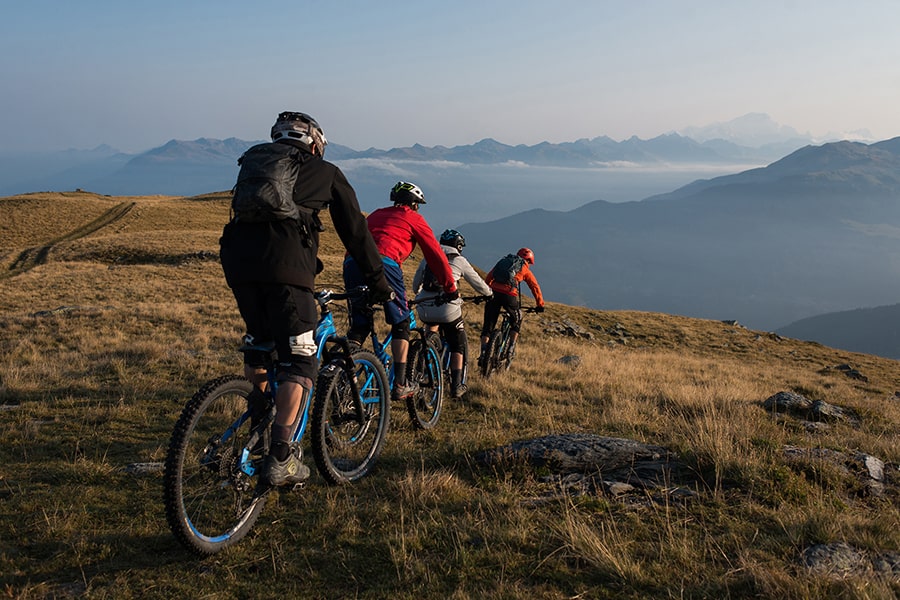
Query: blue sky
[(134, 75)]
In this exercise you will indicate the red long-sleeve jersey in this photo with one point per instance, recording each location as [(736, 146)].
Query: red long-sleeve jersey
[(397, 229)]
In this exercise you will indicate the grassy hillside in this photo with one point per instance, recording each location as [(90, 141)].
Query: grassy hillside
[(114, 311)]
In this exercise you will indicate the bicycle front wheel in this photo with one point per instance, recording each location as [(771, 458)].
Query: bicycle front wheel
[(348, 432), (209, 479), (424, 367)]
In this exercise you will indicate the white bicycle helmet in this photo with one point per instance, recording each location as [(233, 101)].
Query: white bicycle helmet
[(301, 127), (407, 193)]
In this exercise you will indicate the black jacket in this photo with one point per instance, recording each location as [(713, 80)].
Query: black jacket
[(285, 251)]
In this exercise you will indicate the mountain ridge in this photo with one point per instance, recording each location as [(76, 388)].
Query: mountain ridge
[(166, 169)]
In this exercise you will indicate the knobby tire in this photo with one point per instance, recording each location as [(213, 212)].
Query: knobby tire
[(424, 366), (490, 360), (346, 443), (504, 360), (210, 502)]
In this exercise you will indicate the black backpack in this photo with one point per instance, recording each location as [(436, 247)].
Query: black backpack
[(429, 281), (265, 185), (507, 268)]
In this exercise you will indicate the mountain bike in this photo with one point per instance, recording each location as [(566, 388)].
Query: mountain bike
[(497, 355), (423, 365), (211, 491), (436, 339)]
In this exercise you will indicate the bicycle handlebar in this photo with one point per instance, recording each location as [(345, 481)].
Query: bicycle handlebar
[(326, 296), (442, 299)]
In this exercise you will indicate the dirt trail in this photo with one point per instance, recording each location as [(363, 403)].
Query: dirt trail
[(32, 257)]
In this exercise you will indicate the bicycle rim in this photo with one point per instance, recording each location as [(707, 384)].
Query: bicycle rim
[(347, 442), (208, 483)]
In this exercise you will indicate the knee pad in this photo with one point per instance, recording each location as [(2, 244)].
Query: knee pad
[(457, 340), (516, 323), (358, 333), (303, 344), (400, 330)]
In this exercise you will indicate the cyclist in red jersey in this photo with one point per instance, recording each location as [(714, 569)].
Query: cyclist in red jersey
[(396, 230)]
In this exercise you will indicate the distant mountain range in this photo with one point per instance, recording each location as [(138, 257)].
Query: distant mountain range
[(194, 167), (870, 330), (815, 232), (669, 148)]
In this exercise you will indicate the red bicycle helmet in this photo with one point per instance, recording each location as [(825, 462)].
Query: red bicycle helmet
[(526, 255)]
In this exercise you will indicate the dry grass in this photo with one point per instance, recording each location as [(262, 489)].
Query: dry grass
[(109, 331)]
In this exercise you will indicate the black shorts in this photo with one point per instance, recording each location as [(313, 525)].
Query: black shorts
[(492, 308), (283, 314)]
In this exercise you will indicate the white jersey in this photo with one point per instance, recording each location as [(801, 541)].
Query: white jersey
[(447, 312)]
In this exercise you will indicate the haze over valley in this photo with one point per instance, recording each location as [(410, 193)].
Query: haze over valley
[(477, 182)]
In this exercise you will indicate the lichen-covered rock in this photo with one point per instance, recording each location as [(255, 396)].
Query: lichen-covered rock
[(837, 560), (587, 463), (578, 453), (787, 402)]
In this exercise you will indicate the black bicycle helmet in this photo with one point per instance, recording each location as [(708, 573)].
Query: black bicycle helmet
[(453, 238), (407, 193), (301, 127)]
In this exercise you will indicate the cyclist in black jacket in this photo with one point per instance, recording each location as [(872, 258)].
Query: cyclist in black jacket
[(271, 266)]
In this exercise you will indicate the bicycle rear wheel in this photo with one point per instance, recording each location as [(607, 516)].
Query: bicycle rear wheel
[(346, 442), (424, 367), (209, 480), (491, 357), (505, 358)]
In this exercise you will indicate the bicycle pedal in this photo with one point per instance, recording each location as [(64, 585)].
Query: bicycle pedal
[(298, 486)]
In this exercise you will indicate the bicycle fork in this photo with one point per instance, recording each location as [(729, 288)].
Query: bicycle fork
[(350, 368)]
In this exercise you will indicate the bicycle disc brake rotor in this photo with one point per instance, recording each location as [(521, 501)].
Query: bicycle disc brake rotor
[(348, 427)]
